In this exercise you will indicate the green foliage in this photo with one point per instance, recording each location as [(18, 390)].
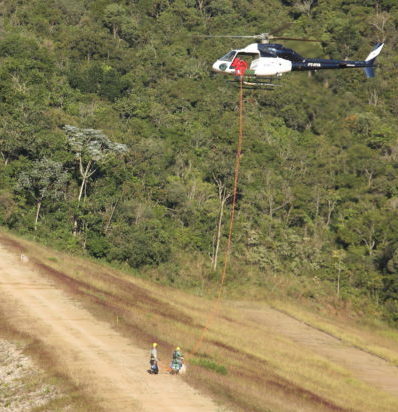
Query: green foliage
[(145, 243), (209, 364), (318, 174)]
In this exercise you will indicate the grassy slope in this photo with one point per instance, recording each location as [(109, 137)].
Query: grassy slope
[(237, 363), (374, 338)]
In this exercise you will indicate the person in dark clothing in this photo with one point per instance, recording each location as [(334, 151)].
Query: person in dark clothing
[(177, 360)]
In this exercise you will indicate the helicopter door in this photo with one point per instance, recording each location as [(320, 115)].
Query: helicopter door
[(254, 64), (273, 66), (249, 58)]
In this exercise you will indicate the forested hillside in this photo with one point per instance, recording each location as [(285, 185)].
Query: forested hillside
[(118, 141)]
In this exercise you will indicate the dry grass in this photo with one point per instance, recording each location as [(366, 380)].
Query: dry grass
[(380, 340), (261, 371)]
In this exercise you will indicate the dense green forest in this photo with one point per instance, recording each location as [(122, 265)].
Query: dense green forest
[(118, 141)]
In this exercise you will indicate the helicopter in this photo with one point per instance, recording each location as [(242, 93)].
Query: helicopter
[(259, 63)]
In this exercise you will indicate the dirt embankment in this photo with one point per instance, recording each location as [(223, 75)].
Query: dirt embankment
[(90, 352)]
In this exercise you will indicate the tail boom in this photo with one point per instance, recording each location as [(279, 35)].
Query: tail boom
[(321, 64)]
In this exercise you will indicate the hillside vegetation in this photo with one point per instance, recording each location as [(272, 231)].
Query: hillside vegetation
[(117, 141)]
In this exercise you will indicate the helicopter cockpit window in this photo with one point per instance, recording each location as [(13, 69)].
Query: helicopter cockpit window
[(272, 51), (267, 51), (229, 56)]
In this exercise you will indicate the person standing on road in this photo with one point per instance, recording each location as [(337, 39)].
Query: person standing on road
[(153, 360), (177, 360)]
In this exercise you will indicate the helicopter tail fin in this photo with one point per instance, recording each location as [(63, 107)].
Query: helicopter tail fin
[(370, 60), (369, 72), (374, 53)]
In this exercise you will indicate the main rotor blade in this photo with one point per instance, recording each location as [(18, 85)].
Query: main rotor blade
[(227, 36), (292, 38), (258, 37), (282, 27)]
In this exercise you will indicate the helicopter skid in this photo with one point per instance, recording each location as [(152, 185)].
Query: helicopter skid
[(250, 82), (260, 84)]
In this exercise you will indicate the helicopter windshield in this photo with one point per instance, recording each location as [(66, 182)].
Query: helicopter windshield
[(228, 57)]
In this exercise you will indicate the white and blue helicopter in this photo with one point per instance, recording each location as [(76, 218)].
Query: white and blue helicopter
[(263, 60)]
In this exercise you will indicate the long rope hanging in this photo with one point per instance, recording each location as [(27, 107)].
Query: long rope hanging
[(216, 305)]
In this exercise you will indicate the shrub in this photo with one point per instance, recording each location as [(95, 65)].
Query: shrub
[(209, 364)]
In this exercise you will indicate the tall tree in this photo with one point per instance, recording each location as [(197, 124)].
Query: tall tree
[(91, 148), (45, 180)]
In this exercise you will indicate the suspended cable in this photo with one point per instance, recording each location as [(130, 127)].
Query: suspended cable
[(216, 304)]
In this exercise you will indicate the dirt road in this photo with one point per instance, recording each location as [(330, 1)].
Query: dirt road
[(364, 366), (90, 352)]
